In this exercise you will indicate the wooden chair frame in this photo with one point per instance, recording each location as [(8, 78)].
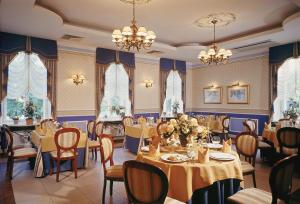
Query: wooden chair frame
[(95, 138), (91, 134), (10, 151), (278, 193), (248, 158), (111, 162), (282, 144), (46, 120), (61, 149), (248, 127), (149, 168), (158, 127)]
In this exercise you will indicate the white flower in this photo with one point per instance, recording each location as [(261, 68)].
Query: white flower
[(173, 122), (183, 117), (170, 128), (194, 122)]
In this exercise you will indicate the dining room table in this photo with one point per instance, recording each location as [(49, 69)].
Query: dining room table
[(136, 134), (186, 176), (44, 142)]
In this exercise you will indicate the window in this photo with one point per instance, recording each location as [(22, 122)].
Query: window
[(173, 102), (116, 102), (288, 88), (27, 82)]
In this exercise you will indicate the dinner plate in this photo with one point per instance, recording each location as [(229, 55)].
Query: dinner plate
[(214, 146), (145, 149), (221, 156), (174, 158)]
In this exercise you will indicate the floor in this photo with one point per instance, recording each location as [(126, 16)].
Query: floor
[(88, 187)]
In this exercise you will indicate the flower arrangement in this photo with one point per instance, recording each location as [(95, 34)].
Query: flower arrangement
[(29, 110), (175, 107), (181, 128), (293, 109)]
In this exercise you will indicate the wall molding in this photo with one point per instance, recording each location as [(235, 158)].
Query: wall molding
[(234, 111), (61, 113)]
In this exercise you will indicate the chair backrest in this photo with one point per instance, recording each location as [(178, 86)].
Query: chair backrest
[(289, 139), (9, 138), (106, 150), (99, 128), (225, 123), (127, 120), (66, 139), (250, 125), (144, 183), (281, 177), (159, 128), (141, 120), (91, 128), (45, 122), (246, 145)]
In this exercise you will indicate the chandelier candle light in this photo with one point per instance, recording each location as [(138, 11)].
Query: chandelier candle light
[(214, 54), (132, 36)]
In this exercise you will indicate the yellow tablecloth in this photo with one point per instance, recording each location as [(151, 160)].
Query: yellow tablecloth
[(137, 131), (185, 178), (47, 142)]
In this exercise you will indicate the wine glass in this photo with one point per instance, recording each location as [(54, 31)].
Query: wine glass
[(216, 140)]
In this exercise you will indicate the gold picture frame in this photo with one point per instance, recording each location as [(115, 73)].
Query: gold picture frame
[(212, 95), (238, 94)]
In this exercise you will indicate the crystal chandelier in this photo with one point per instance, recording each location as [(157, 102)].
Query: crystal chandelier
[(132, 36), (214, 54)]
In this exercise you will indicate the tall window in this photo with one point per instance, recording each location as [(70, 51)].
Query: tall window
[(116, 102), (27, 82), (288, 89), (173, 102)]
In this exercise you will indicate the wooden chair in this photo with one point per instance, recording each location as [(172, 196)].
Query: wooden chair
[(160, 126), (44, 123), (113, 172), (289, 140), (225, 127), (145, 184), (251, 126), (246, 145), (280, 182), (15, 153), (127, 120), (91, 129), (141, 120), (93, 142), (66, 141)]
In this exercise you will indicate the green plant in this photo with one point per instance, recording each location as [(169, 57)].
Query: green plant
[(293, 109), (29, 110)]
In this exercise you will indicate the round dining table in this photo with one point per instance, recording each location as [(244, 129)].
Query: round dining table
[(186, 177)]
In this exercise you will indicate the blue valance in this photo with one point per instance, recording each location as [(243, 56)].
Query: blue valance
[(11, 43), (107, 56), (169, 64), (279, 54)]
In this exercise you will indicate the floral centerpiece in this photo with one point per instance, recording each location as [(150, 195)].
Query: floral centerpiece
[(292, 111), (29, 111), (183, 129)]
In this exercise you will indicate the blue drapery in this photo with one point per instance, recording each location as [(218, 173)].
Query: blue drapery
[(169, 64), (12, 43), (279, 54), (107, 56)]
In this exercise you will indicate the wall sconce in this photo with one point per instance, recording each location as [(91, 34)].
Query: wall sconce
[(148, 83), (212, 86), (236, 84), (78, 79)]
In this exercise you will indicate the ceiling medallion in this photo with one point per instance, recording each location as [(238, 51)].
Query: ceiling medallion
[(223, 19), (132, 36), (214, 54), (136, 1)]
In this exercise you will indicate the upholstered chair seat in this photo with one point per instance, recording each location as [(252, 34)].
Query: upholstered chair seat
[(93, 143), (24, 152), (64, 154), (251, 195), (115, 171), (246, 167), (263, 145)]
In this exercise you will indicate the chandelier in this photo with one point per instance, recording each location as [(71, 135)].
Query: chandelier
[(132, 36), (214, 54)]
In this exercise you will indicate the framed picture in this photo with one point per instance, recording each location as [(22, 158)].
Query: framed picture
[(212, 95), (238, 94)]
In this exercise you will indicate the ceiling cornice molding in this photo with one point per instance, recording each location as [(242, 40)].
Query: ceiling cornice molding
[(237, 59)]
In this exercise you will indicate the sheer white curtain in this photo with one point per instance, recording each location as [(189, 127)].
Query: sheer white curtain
[(173, 93), (27, 75), (288, 86), (116, 92)]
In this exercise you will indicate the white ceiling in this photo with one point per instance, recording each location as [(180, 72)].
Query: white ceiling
[(172, 21)]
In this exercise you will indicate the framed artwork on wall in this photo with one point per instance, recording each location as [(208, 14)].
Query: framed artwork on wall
[(212, 95), (238, 94)]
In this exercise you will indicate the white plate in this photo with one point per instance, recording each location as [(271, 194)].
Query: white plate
[(214, 146), (145, 149), (221, 156), (177, 158)]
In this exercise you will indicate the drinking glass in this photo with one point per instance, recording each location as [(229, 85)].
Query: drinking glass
[(216, 140)]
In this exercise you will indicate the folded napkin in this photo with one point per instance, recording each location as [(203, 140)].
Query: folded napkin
[(203, 155), (154, 151), (227, 145)]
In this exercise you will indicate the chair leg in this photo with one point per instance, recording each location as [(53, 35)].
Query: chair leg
[(75, 166), (111, 188), (57, 170), (8, 164), (51, 167), (104, 190), (96, 154), (254, 180), (11, 168)]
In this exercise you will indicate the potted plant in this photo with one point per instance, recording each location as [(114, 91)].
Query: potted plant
[(38, 117), (29, 111), (14, 116)]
